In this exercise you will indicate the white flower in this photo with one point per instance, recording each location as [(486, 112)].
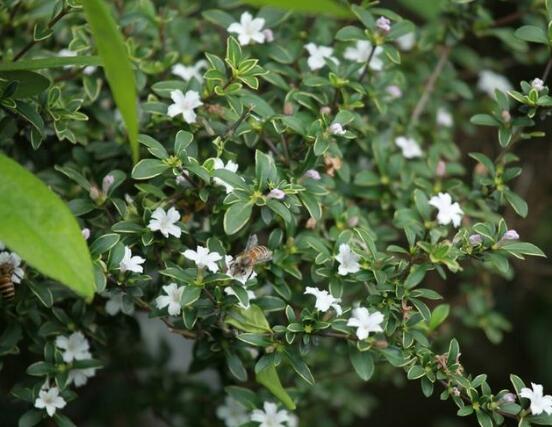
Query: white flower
[(14, 261), (232, 413), (230, 166), (312, 174), (539, 403), (489, 81), (383, 24), (406, 41), (115, 304), (229, 290), (537, 84), (324, 300), (131, 263), (444, 118), (348, 260), (66, 53), (409, 146), (190, 72), (172, 299), (277, 194), (365, 322), (337, 129), (165, 222), (203, 258), (248, 29), (293, 420), (184, 104), (448, 211), (361, 52), (240, 278), (79, 377), (394, 91), (50, 400), (270, 417), (318, 55), (75, 347)]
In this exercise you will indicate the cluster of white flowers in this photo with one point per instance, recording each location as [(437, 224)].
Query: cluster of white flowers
[(448, 212), (76, 347), (49, 399)]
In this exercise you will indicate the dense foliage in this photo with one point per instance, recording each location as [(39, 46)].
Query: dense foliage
[(330, 139)]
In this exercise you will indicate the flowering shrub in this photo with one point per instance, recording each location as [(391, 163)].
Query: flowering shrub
[(298, 189)]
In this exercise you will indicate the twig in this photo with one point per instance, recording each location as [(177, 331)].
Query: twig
[(505, 20), (367, 66), (49, 26), (232, 129), (547, 70), (430, 86), (146, 307)]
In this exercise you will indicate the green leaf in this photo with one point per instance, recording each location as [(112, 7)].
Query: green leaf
[(428, 9), (523, 248), (54, 62), (541, 420), (265, 169), (415, 372), (484, 419), (299, 366), (235, 365), (312, 204), (28, 83), (349, 33), (269, 378), (148, 168), (190, 295), (118, 69), (438, 316), (30, 418), (531, 33), (484, 120), (251, 319), (322, 7), (517, 203), (363, 363), (236, 217), (37, 225)]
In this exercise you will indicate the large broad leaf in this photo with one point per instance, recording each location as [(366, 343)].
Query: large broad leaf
[(325, 7), (37, 225), (118, 69), (53, 62)]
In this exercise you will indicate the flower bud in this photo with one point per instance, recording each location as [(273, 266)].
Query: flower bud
[(475, 239), (537, 84), (276, 193), (288, 108), (509, 398), (107, 183), (455, 392), (269, 35), (510, 235), (441, 168), (383, 24), (85, 233), (311, 223), (394, 91), (325, 110), (337, 129), (353, 221), (312, 174), (94, 193), (506, 116)]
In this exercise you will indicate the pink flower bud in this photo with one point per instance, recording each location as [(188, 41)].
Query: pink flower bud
[(312, 174), (107, 183), (475, 239), (269, 35), (337, 129), (276, 193), (510, 235), (383, 24), (394, 91), (441, 168), (509, 397)]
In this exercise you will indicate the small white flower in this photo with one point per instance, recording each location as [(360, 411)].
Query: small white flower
[(203, 258), (539, 403), (14, 261), (187, 73), (510, 235), (489, 81), (407, 41), (248, 29), (131, 263), (394, 91), (116, 304), (318, 55), (79, 377), (107, 182), (85, 233), (240, 278), (348, 260), (229, 290), (165, 222), (409, 147), (448, 211), (232, 413), (277, 194), (66, 53), (365, 322), (537, 84), (171, 299), (361, 52), (324, 300), (184, 104), (50, 400), (75, 347), (230, 166), (337, 129), (270, 417), (383, 24), (312, 174), (444, 118)]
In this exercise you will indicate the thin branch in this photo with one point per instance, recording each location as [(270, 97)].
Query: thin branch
[(367, 66), (430, 85)]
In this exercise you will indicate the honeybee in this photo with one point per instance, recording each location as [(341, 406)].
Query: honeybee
[(7, 288), (242, 267)]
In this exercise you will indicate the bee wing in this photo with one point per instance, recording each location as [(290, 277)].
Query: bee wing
[(252, 241)]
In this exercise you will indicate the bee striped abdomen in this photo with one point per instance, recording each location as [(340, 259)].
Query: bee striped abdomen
[(7, 288), (260, 254)]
